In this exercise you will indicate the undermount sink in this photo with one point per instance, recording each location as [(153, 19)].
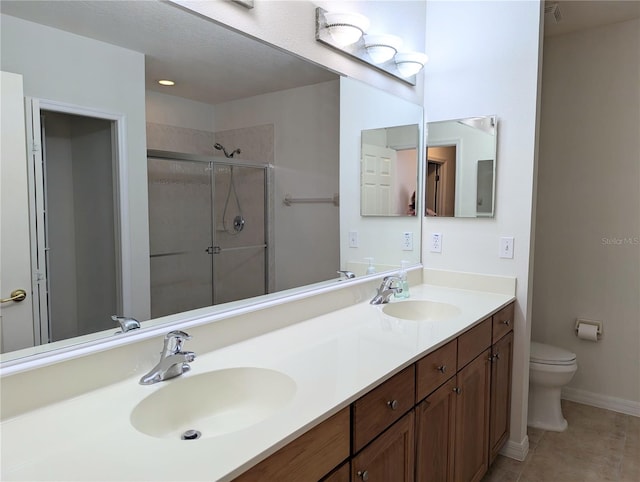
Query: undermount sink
[(213, 403), (421, 310)]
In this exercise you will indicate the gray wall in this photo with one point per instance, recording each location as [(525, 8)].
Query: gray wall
[(588, 215)]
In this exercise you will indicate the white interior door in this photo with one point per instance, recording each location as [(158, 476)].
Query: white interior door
[(378, 180), (16, 318)]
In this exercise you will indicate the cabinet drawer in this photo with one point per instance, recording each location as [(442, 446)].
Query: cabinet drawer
[(309, 457), (435, 369), (382, 406), (473, 342), (503, 322)]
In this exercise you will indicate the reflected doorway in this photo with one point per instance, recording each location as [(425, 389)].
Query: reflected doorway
[(74, 223), (441, 180)]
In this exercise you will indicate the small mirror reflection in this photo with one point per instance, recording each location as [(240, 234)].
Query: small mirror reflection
[(460, 171)]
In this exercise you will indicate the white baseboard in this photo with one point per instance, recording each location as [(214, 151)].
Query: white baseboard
[(621, 405), (515, 450)]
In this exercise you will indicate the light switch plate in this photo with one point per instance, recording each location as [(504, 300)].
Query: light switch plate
[(353, 239), (506, 247)]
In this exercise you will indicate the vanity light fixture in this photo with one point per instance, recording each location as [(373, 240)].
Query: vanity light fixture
[(166, 82), (382, 48), (410, 63), (346, 28), (346, 32)]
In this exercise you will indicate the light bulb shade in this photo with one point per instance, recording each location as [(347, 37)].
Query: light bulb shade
[(410, 63), (382, 48), (346, 28)]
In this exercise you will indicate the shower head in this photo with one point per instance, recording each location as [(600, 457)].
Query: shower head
[(220, 147)]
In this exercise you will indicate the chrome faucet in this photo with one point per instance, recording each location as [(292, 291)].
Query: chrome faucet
[(173, 361), (386, 289), (347, 274), (126, 323)]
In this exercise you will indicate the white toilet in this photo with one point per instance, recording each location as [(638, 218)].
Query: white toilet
[(550, 368)]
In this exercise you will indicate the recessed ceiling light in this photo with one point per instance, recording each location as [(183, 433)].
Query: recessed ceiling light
[(166, 82)]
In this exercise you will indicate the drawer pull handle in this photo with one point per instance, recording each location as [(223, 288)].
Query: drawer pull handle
[(506, 322), (363, 474), (458, 390), (442, 368), (393, 404)]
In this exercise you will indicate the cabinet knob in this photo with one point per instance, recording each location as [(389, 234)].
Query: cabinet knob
[(497, 356), (506, 322), (393, 404), (363, 474), (442, 368), (458, 390)]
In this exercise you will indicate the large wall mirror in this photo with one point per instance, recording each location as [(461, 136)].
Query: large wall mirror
[(389, 171), (149, 200), (461, 167)]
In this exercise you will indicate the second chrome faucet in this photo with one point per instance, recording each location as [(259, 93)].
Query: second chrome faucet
[(389, 286), (174, 361)]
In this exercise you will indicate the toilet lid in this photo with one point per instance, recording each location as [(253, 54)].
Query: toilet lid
[(550, 355)]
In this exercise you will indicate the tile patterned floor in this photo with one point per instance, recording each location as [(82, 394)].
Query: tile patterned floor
[(598, 446)]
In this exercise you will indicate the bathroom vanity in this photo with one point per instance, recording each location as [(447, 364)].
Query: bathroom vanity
[(444, 417), (351, 394)]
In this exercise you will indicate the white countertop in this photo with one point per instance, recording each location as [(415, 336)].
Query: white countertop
[(333, 359)]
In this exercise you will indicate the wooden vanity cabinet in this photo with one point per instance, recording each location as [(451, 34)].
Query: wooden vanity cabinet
[(390, 457), (501, 371), (442, 419), (309, 457), (462, 425)]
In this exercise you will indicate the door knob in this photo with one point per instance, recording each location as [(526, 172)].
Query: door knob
[(16, 295)]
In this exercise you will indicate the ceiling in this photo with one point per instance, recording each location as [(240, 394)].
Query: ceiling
[(208, 62), (579, 15)]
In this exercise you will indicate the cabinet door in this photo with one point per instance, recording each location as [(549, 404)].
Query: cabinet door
[(435, 435), (472, 420), (501, 359), (389, 457)]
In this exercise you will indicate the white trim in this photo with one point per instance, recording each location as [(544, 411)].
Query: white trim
[(516, 450), (614, 404)]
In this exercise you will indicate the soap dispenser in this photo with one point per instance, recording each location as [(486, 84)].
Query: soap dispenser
[(371, 269), (404, 283)]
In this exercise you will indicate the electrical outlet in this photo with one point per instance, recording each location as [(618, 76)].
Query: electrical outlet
[(407, 241), (436, 243), (506, 247), (353, 239)]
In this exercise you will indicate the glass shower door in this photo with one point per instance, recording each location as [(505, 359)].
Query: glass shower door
[(180, 230), (240, 254)]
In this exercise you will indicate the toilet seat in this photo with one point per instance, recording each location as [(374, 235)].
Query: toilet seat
[(550, 355)]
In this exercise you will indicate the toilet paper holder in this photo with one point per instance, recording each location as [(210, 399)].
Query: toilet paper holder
[(597, 324)]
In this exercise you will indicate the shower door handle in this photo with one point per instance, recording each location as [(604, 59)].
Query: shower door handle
[(213, 250)]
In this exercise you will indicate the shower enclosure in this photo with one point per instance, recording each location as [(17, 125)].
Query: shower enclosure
[(208, 235)]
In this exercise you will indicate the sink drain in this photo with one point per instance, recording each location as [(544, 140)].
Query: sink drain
[(191, 435)]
